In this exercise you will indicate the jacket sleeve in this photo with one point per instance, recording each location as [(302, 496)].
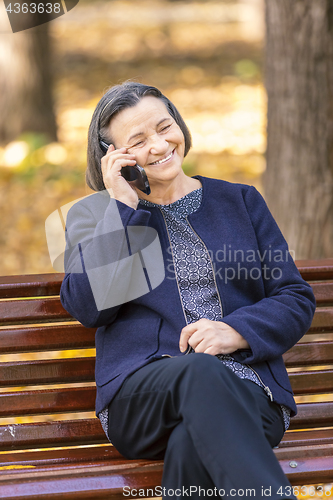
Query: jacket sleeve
[(100, 268), (275, 323)]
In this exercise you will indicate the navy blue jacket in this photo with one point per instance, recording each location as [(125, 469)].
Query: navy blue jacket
[(262, 294)]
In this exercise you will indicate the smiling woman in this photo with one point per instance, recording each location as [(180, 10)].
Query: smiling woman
[(189, 346), (146, 134)]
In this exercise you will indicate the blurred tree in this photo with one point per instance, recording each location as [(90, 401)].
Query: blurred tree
[(299, 81), (25, 81)]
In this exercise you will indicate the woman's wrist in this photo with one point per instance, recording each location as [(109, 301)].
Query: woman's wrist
[(126, 200), (130, 203)]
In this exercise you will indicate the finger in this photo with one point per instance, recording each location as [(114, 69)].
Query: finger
[(113, 154), (120, 150), (116, 154), (185, 334), (116, 163), (198, 342), (212, 350), (123, 162)]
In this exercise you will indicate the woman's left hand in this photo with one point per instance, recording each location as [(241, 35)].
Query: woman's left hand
[(211, 337)]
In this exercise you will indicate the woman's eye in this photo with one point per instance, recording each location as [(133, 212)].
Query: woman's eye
[(164, 129)]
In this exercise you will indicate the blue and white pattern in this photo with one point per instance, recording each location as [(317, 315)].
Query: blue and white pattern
[(192, 267), (191, 264)]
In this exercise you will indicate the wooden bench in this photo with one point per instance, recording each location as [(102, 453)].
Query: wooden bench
[(68, 455)]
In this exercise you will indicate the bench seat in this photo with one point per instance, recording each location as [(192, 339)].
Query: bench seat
[(69, 456)]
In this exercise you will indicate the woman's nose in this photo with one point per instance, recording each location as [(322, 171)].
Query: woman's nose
[(158, 144)]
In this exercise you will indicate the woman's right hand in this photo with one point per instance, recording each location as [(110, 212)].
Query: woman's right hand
[(114, 182)]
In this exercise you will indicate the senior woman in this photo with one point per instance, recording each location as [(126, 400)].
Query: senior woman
[(190, 370)]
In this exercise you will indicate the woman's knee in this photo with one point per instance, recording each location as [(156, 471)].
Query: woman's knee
[(201, 362), (201, 366)]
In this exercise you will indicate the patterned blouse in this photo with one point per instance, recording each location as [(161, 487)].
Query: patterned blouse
[(192, 267)]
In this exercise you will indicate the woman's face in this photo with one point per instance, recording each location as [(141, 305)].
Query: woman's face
[(152, 135)]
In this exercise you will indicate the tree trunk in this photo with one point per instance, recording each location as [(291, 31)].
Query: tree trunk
[(25, 81), (299, 81)]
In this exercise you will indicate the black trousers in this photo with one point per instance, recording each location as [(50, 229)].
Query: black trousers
[(214, 430)]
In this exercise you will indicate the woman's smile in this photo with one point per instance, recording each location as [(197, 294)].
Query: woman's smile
[(163, 160)]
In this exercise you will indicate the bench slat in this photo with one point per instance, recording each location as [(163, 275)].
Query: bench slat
[(52, 371), (307, 438), (30, 285), (82, 370), (311, 415), (322, 320), (309, 354), (31, 311), (76, 336), (50, 309), (46, 338), (87, 431), (312, 382), (100, 481), (46, 434), (309, 470), (100, 453), (47, 401), (315, 270), (323, 293), (56, 456), (90, 482)]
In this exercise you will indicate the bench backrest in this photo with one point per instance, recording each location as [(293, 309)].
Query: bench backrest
[(49, 402)]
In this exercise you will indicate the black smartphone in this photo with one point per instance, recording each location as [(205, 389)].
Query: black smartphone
[(131, 173)]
